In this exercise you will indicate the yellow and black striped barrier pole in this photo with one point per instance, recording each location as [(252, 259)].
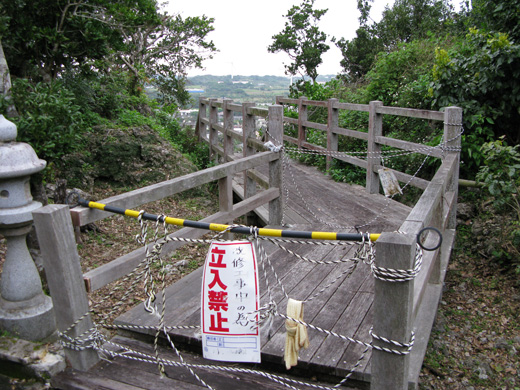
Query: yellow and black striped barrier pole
[(216, 227)]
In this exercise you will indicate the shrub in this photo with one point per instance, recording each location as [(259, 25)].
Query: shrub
[(481, 74), (50, 120), (500, 176)]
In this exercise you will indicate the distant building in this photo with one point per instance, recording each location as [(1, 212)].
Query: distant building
[(195, 90)]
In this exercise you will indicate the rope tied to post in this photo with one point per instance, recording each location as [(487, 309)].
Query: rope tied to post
[(296, 337), (272, 147)]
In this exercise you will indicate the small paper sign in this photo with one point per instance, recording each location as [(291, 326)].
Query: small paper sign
[(229, 294), (389, 182)]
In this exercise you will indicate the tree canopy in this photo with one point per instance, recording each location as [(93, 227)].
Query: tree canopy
[(302, 40), (42, 39), (405, 21)]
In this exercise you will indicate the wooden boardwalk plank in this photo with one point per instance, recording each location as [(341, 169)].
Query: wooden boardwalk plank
[(121, 373), (344, 306)]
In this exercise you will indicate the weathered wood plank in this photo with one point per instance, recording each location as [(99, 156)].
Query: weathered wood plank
[(314, 125), (71, 379), (329, 353), (354, 161), (314, 103), (354, 351), (393, 309), (332, 122), (405, 178), (411, 113), (83, 215), (61, 260), (409, 146), (107, 273), (353, 107), (350, 133), (257, 111), (275, 167), (375, 129)]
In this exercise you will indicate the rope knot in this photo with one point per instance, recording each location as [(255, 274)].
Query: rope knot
[(272, 147)]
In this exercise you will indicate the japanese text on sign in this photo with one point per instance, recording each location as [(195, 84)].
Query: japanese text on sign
[(229, 295)]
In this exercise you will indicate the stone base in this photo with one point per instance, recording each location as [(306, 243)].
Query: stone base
[(29, 320), (25, 360)]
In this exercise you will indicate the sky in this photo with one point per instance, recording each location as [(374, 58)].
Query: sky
[(244, 30)]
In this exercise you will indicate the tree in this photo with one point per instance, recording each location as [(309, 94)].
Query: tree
[(302, 40), (5, 84), (481, 74), (162, 52), (405, 21), (43, 37), (497, 16)]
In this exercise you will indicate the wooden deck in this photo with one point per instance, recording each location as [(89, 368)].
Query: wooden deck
[(344, 307)]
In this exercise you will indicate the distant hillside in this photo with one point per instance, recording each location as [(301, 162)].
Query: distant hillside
[(258, 89)]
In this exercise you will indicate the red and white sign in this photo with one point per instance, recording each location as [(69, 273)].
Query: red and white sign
[(229, 294)]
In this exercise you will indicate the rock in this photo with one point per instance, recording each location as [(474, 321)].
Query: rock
[(134, 156), (466, 211), (28, 359), (181, 264), (482, 373)]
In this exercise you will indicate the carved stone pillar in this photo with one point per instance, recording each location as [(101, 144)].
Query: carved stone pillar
[(25, 311)]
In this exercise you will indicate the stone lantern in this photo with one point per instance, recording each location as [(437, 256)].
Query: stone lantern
[(25, 311)]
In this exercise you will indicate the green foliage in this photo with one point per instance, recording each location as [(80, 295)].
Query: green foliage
[(497, 16), (402, 77), (161, 52), (45, 37), (101, 93), (358, 54), (500, 176), (482, 75), (50, 120), (405, 21), (302, 40), (183, 138), (347, 173)]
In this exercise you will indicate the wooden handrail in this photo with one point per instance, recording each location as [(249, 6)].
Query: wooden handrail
[(82, 216)]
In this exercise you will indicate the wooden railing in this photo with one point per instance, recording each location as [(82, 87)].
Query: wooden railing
[(399, 307), (218, 131), (55, 233)]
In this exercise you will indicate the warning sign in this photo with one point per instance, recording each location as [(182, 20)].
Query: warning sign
[(229, 294)]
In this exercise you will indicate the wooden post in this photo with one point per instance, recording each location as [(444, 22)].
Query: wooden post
[(393, 307), (213, 133), (248, 130), (202, 128), (332, 123), (64, 277), (225, 199), (228, 122), (275, 120), (452, 137), (375, 129), (302, 117), (225, 185)]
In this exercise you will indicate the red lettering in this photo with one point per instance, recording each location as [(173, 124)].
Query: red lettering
[(216, 261), (217, 300), (216, 323), (216, 280)]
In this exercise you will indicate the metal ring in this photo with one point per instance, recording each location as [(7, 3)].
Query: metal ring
[(433, 229)]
